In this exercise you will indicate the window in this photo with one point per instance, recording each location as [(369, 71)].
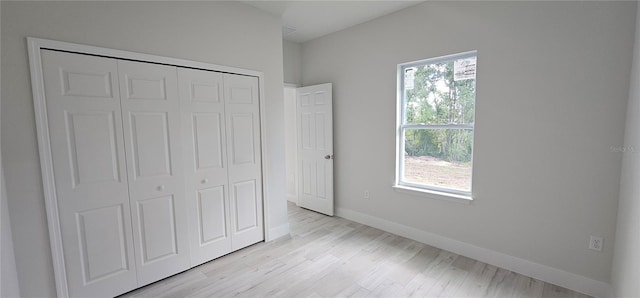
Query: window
[(436, 107)]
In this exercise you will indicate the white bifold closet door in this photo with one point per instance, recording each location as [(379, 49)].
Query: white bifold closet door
[(202, 99), (157, 168), (242, 111), (151, 114), (88, 153), (220, 115), (114, 129)]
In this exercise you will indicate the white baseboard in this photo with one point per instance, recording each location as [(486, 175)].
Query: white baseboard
[(292, 198), (544, 273), (277, 232)]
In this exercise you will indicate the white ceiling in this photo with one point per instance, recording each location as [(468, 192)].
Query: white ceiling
[(313, 19)]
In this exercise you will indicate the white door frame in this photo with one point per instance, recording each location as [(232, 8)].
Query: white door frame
[(35, 45), (294, 135)]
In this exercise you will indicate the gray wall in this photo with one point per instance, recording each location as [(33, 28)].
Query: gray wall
[(9, 282), (225, 33), (292, 56), (626, 261), (8, 275), (552, 89)]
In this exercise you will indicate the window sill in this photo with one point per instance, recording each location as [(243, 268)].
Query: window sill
[(432, 194)]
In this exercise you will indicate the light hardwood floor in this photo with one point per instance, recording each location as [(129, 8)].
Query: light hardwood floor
[(334, 257)]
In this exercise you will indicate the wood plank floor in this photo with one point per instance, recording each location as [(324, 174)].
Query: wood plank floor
[(334, 257)]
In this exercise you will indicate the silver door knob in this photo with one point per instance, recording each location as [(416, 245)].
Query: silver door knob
[(205, 180), (160, 188), (328, 156)]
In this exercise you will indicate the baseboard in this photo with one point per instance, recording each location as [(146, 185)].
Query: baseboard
[(277, 232), (545, 273), (292, 198)]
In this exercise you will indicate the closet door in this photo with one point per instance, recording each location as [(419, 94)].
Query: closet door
[(87, 147), (205, 152), (151, 119), (241, 95)]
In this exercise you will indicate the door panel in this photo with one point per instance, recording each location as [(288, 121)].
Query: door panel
[(239, 93), (242, 110), (151, 123), (315, 148), (92, 146), (307, 130), (84, 114), (321, 180), (102, 242), (320, 133), (206, 91), (158, 228), (242, 139), (212, 219), (246, 201), (150, 139), (205, 167), (145, 87), (86, 84), (308, 175), (207, 135)]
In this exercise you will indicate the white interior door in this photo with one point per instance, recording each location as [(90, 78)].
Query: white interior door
[(315, 148), (151, 114), (205, 151), (87, 147), (242, 109)]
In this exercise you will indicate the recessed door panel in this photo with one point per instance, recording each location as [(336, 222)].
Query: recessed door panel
[(241, 94), (157, 228), (307, 131), (242, 134), (207, 135), (212, 216), (86, 84), (321, 180), (102, 242), (320, 134), (146, 86), (305, 99), (92, 144), (308, 177), (150, 139), (206, 91), (245, 200), (320, 98)]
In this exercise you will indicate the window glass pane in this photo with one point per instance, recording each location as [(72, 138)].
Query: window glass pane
[(438, 157), (440, 93)]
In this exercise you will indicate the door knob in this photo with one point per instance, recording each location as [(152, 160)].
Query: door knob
[(328, 156), (205, 180), (160, 188)]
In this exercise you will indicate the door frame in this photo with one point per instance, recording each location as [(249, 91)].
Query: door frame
[(35, 45), (293, 87)]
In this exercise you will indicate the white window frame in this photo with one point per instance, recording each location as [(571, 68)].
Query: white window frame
[(416, 188)]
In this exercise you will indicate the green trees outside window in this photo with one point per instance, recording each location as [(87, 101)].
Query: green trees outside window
[(438, 102)]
